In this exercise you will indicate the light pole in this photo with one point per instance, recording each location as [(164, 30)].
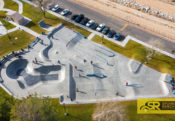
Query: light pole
[(65, 113), (102, 39)]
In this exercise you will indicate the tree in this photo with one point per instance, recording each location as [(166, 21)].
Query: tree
[(6, 102), (33, 108), (43, 5)]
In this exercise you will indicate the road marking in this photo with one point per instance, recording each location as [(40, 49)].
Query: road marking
[(124, 27)]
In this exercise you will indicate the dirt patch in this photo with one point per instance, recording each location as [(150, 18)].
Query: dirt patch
[(109, 111)]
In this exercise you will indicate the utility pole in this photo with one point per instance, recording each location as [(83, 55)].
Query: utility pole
[(102, 39)]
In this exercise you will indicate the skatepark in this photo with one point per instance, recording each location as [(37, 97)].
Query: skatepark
[(65, 64)]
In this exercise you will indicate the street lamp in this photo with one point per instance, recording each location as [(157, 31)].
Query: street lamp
[(65, 113), (102, 39)]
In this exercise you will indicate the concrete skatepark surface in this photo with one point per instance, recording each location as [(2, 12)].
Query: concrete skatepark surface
[(59, 65)]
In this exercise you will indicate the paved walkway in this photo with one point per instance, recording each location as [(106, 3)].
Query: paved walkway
[(3, 30), (20, 5), (25, 29), (91, 36), (1, 4)]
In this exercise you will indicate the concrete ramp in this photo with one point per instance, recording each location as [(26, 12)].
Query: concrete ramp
[(15, 68), (104, 51)]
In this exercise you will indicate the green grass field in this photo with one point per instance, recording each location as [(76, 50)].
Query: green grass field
[(6, 24), (160, 62), (8, 43), (36, 16), (77, 112), (9, 4)]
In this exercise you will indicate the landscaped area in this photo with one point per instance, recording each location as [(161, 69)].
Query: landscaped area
[(6, 24), (138, 52), (9, 4), (14, 41)]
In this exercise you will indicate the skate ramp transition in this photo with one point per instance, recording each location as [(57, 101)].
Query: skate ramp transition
[(15, 68)]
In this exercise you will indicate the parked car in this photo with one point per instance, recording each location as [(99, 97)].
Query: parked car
[(100, 27), (117, 36), (65, 12), (106, 30), (79, 18), (74, 17), (111, 33), (84, 21), (90, 23), (94, 26), (55, 8)]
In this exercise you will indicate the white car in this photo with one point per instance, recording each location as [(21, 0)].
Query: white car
[(65, 12), (100, 27), (55, 8), (90, 23)]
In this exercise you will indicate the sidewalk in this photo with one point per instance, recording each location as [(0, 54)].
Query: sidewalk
[(20, 5), (25, 29)]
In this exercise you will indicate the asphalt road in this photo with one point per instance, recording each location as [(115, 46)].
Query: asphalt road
[(116, 25)]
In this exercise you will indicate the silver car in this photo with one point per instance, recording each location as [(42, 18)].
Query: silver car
[(89, 23), (100, 27)]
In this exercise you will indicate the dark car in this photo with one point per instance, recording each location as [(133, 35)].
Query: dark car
[(84, 21), (117, 36), (111, 33), (74, 17), (94, 26), (105, 30), (79, 18)]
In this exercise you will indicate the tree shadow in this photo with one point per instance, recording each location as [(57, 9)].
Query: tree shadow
[(30, 24)]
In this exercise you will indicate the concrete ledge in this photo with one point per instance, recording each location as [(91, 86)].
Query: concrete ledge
[(134, 66)]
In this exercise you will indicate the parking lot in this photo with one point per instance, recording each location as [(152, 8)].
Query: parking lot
[(117, 24), (88, 22)]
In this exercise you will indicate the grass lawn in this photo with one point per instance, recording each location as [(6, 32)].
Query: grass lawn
[(76, 28), (36, 16), (138, 52), (9, 4), (131, 114), (77, 112), (9, 44), (5, 23)]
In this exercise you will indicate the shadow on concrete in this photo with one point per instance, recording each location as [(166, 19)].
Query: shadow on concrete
[(72, 85), (21, 85), (48, 69), (16, 67)]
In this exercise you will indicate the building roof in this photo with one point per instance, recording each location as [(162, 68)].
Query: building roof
[(15, 15)]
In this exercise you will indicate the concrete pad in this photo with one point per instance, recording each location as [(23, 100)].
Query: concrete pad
[(66, 64)]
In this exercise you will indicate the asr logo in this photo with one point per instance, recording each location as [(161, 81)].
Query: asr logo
[(151, 105), (156, 106)]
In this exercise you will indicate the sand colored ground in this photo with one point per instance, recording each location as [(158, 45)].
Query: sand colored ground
[(159, 5), (157, 25), (169, 1)]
